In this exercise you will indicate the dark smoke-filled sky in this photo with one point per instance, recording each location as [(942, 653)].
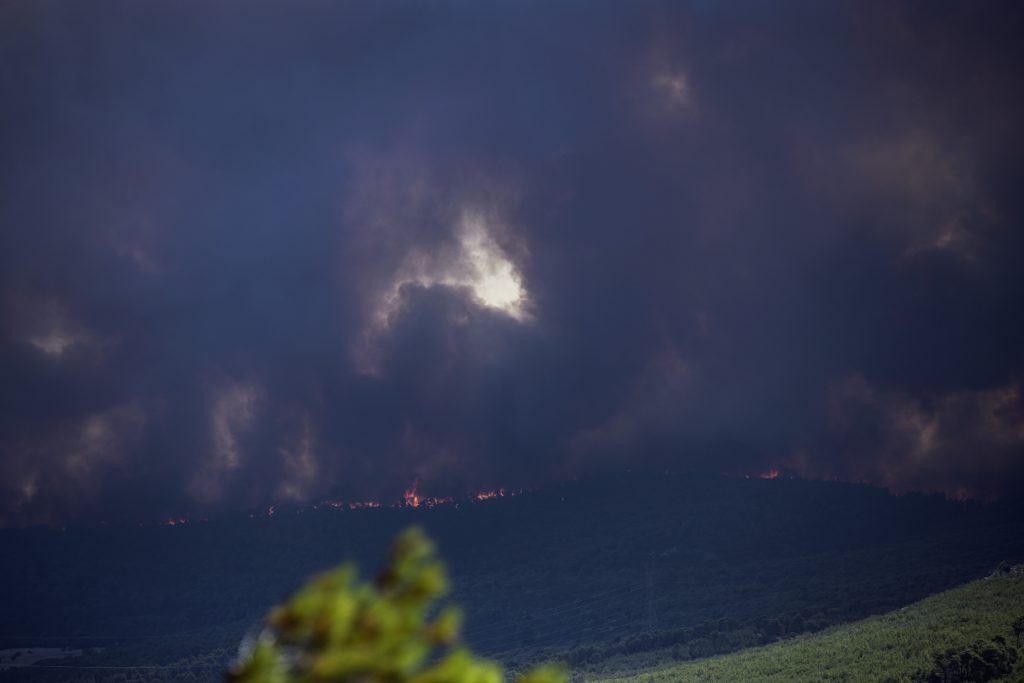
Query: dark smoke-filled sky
[(256, 253)]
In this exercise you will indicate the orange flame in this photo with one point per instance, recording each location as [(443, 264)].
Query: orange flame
[(411, 498)]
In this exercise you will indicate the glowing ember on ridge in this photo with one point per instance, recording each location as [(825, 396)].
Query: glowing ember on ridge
[(411, 498), (361, 505)]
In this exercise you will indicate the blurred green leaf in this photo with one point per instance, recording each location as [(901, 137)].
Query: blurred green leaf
[(337, 630)]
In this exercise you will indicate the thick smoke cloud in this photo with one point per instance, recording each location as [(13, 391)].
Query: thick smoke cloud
[(260, 253)]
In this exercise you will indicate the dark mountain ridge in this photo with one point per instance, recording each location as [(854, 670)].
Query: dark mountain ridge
[(630, 565)]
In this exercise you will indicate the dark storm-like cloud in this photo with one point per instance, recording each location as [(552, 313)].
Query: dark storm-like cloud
[(269, 253)]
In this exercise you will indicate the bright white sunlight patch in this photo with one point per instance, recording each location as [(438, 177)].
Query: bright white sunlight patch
[(474, 263), (479, 266), (492, 278)]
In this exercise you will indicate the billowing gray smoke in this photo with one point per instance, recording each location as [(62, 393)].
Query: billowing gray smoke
[(255, 253)]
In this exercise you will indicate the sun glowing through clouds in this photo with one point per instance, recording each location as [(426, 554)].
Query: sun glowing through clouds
[(488, 273), (475, 264), (479, 266)]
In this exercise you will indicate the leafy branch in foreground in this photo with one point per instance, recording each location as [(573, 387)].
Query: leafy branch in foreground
[(336, 629)]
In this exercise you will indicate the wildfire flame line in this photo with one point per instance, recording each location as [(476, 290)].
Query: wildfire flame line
[(411, 498)]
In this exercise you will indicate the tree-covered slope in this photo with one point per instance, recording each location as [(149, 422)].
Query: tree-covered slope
[(898, 646), (614, 574)]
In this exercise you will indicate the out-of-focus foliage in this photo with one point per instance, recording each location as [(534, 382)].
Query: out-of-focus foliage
[(337, 629)]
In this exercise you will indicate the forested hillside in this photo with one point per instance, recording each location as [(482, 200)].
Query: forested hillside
[(606, 574), (970, 633)]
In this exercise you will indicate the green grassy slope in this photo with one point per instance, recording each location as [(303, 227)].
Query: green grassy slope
[(891, 647)]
